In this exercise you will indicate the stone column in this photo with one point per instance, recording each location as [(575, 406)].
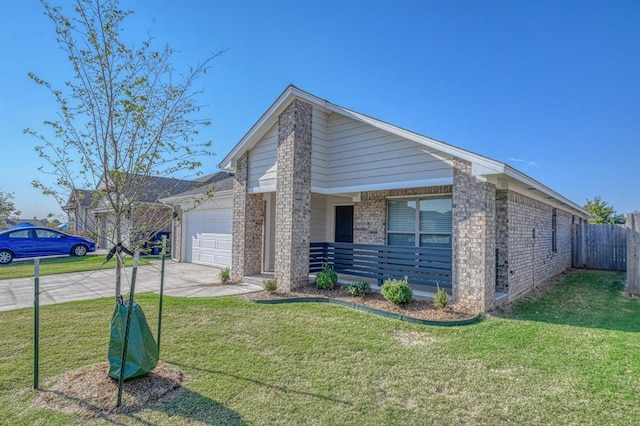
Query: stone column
[(293, 196), (248, 218), (474, 238)]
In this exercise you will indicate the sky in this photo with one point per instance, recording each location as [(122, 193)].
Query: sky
[(551, 87)]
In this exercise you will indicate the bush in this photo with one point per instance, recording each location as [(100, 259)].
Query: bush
[(397, 291), (442, 299), (327, 279), (225, 276), (358, 288), (270, 285)]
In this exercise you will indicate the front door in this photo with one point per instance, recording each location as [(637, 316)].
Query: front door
[(344, 224)]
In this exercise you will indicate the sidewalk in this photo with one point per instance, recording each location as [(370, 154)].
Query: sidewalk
[(180, 280)]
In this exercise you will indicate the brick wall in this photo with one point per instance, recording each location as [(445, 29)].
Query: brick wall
[(474, 242), (293, 196), (502, 241), (524, 263), (370, 214), (248, 218)]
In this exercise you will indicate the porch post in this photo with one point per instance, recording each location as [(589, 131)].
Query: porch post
[(248, 218), (474, 238), (293, 196)]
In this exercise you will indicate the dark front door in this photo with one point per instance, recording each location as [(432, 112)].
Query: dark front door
[(344, 224)]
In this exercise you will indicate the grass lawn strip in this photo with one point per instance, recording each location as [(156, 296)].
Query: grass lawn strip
[(545, 362), (63, 265)]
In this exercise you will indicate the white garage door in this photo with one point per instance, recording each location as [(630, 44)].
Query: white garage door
[(209, 237)]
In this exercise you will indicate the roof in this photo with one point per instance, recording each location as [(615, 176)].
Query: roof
[(84, 197), (219, 182), (483, 167), (150, 189)]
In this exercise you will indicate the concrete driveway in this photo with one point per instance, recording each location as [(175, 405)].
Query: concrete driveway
[(181, 279)]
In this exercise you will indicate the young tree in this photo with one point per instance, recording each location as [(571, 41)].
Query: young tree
[(7, 208), (602, 212), (124, 118)]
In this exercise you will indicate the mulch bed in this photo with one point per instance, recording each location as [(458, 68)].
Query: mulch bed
[(420, 309), (91, 393)]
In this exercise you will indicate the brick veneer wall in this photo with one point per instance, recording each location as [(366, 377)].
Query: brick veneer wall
[(293, 196), (473, 238), (502, 242), (370, 214), (248, 218), (524, 263)]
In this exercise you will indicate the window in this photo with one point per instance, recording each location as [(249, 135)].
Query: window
[(419, 222), (554, 230), (46, 233), (23, 233)]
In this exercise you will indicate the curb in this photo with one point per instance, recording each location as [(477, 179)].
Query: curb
[(374, 311)]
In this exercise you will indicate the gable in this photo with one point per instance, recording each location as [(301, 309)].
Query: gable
[(353, 152), (348, 155), (362, 157), (263, 168)]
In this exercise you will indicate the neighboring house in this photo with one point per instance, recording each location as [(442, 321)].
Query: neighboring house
[(80, 218), (203, 222), (148, 215), (315, 182)]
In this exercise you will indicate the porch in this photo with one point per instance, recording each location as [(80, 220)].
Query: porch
[(426, 268)]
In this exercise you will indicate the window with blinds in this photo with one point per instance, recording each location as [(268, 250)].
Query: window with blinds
[(419, 222)]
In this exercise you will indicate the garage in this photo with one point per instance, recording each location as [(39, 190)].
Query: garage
[(208, 233)]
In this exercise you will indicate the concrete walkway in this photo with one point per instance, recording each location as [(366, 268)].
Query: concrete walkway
[(180, 279)]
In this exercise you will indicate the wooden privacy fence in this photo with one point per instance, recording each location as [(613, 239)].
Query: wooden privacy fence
[(599, 246), (633, 253), (610, 247)]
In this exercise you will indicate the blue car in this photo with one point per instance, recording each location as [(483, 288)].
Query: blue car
[(35, 241)]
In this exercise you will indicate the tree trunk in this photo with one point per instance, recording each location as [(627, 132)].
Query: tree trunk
[(119, 264)]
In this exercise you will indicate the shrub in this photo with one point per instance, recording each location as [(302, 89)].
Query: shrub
[(327, 279), (442, 299), (397, 291), (225, 276), (271, 284), (358, 288)]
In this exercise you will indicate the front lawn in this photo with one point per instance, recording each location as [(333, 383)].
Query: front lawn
[(62, 265), (572, 357)]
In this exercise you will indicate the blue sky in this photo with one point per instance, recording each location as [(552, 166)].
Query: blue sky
[(549, 87)]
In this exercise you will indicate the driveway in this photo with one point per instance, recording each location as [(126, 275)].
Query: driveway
[(180, 279)]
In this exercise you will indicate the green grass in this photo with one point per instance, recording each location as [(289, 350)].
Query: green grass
[(571, 357), (62, 265)]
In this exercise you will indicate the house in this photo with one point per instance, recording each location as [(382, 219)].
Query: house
[(91, 212), (80, 218), (314, 182), (202, 223)]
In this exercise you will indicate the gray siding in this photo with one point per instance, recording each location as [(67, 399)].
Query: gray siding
[(318, 218), (360, 154), (319, 172), (263, 169)]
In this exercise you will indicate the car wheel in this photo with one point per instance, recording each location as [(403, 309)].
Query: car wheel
[(79, 250), (5, 257)]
